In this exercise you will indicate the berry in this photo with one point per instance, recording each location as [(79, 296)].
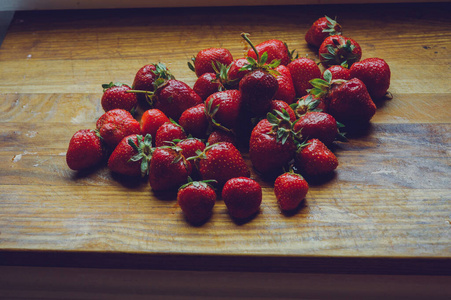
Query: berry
[(115, 96), (339, 50), (194, 121), (275, 49), (151, 120), (242, 197), (85, 150), (375, 74), (168, 132), (196, 199), (204, 59), (321, 29), (302, 71), (314, 158), (116, 124), (290, 190)]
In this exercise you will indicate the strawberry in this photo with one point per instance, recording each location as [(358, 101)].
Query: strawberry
[(318, 125), (276, 50), (321, 29), (168, 132), (190, 147), (286, 91), (218, 135), (132, 155), (290, 190), (85, 150), (302, 71), (281, 106), (314, 158), (151, 120), (204, 59), (235, 71), (115, 96), (308, 103), (206, 85), (221, 162), (196, 199), (145, 80), (271, 145), (259, 85), (242, 197), (116, 124), (375, 74), (168, 169), (348, 100), (194, 121), (339, 50), (223, 108), (339, 72)]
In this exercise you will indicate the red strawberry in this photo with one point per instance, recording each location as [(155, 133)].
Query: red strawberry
[(116, 124), (339, 50), (115, 96), (302, 71), (242, 197), (151, 120), (235, 72), (375, 74), (339, 72), (276, 50), (145, 80), (85, 150), (271, 145), (308, 103), (190, 147), (223, 108), (318, 125), (168, 132), (168, 169), (290, 190), (286, 91), (219, 135), (204, 59), (132, 155), (321, 29), (221, 162), (206, 85), (314, 159), (194, 121), (196, 199), (280, 105)]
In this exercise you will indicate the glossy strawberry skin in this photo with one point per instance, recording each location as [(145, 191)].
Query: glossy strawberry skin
[(242, 197), (194, 121), (304, 105), (190, 146), (302, 71), (318, 125), (282, 105), (151, 120), (196, 201), (290, 190), (375, 74), (168, 132), (223, 161), (205, 57), (276, 49), (342, 52), (144, 80), (315, 35), (229, 106), (117, 97), (339, 72), (257, 90), (218, 136), (174, 97), (167, 170), (266, 153), (119, 161), (85, 150), (234, 72), (351, 102), (116, 124), (316, 159), (286, 91), (206, 85)]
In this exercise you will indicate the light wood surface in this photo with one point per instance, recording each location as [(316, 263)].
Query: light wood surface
[(386, 210)]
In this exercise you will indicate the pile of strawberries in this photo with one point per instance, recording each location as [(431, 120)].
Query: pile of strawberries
[(281, 110)]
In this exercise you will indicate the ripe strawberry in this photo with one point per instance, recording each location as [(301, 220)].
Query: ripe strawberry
[(115, 96), (221, 162), (302, 71), (194, 121), (196, 199), (116, 124), (276, 49), (339, 72), (314, 158), (308, 103), (286, 91), (223, 108), (206, 85), (151, 120), (271, 145), (190, 147), (85, 150), (339, 50), (290, 190), (280, 105), (242, 197), (168, 132), (321, 29), (145, 80), (168, 169), (132, 155), (204, 59), (375, 74), (318, 125), (235, 71), (219, 135)]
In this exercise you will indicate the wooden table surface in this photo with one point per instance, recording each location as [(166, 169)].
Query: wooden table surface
[(387, 209)]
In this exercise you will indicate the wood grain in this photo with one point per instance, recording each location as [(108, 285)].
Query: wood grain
[(385, 210)]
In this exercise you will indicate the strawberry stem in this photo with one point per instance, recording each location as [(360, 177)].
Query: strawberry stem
[(246, 38)]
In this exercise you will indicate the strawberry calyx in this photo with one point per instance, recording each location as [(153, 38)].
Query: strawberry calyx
[(210, 112), (305, 105), (162, 72), (333, 28), (321, 87), (282, 127), (144, 150), (222, 77), (200, 183), (261, 62), (107, 86), (340, 53)]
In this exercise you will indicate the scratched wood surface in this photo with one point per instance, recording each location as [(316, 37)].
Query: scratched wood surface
[(387, 209)]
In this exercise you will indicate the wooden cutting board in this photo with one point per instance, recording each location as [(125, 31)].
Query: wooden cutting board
[(387, 208)]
